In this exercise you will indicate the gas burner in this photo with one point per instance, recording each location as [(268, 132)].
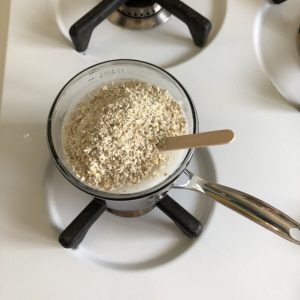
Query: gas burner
[(139, 14), (134, 16), (71, 236)]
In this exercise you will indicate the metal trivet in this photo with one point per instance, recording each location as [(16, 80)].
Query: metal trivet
[(74, 234), (139, 14)]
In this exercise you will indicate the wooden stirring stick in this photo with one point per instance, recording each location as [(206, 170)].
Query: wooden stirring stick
[(197, 140)]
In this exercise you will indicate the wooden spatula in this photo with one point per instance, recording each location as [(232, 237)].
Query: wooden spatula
[(198, 140)]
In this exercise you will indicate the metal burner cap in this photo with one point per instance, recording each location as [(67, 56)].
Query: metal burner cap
[(139, 12), (134, 17)]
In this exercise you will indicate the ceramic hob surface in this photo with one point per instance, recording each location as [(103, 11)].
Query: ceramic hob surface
[(238, 81)]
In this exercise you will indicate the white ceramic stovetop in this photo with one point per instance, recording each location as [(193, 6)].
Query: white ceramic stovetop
[(232, 84)]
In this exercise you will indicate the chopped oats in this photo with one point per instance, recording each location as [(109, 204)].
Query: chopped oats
[(111, 139)]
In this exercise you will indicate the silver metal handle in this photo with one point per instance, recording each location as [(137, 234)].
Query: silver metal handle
[(248, 206)]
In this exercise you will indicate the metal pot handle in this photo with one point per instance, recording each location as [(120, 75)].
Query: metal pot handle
[(246, 205)]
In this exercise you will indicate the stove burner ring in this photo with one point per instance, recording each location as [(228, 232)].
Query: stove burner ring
[(135, 17), (139, 12)]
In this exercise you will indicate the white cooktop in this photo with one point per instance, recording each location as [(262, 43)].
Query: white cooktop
[(232, 83)]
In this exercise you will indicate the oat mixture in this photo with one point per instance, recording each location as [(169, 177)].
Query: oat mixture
[(111, 139)]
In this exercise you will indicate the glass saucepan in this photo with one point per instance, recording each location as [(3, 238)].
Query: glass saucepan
[(134, 204)]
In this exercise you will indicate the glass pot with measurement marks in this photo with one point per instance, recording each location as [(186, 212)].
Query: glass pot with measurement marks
[(139, 202)]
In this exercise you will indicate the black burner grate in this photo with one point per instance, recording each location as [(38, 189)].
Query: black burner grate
[(74, 234), (81, 31)]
